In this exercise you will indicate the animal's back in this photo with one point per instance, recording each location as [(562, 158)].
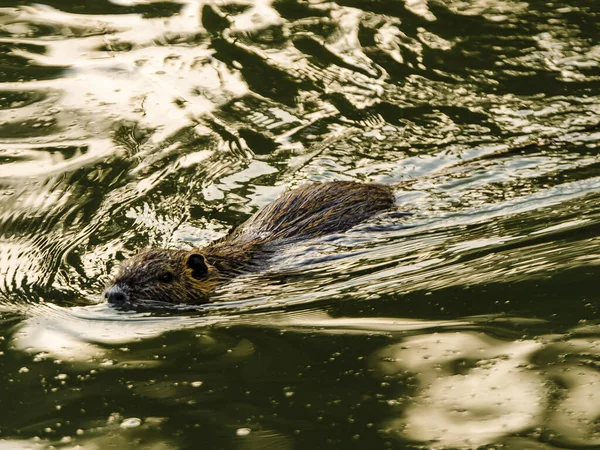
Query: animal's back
[(314, 210)]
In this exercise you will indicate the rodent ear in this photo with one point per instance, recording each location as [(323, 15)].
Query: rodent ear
[(197, 263)]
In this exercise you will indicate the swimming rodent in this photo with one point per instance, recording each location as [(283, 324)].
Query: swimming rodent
[(161, 277)]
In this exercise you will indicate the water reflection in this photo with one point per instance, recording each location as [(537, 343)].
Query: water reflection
[(469, 322), (447, 384), (472, 389)]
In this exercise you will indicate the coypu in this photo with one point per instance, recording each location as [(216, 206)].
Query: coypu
[(157, 277)]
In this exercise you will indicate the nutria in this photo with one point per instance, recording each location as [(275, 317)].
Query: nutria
[(158, 276)]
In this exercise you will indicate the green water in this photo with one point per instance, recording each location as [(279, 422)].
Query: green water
[(471, 323)]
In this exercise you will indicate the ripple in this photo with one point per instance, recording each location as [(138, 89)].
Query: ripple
[(129, 124)]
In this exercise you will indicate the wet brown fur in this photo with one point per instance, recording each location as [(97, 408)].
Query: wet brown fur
[(159, 276)]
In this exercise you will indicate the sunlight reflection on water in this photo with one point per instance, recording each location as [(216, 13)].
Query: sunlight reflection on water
[(469, 322)]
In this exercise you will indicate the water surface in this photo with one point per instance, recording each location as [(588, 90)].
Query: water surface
[(470, 323)]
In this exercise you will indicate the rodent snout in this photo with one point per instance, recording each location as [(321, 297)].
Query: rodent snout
[(116, 296)]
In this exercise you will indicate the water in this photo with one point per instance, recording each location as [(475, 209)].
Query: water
[(470, 323)]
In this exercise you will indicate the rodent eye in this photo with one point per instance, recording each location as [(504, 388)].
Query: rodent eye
[(166, 277)]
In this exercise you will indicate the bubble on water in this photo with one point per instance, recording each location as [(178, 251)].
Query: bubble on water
[(243, 431), (131, 422), (196, 383)]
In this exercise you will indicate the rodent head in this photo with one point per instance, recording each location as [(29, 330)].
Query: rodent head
[(161, 277)]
